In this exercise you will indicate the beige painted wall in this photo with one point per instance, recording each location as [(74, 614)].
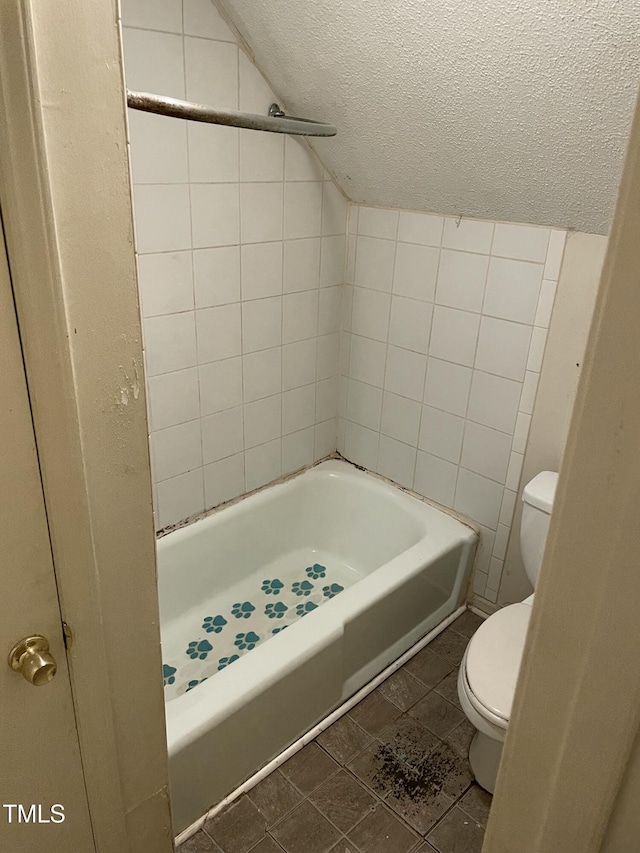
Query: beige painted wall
[(565, 783), (66, 205), (561, 369), (623, 832)]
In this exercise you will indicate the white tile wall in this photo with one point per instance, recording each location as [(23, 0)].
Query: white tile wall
[(444, 324), (241, 250), (437, 336)]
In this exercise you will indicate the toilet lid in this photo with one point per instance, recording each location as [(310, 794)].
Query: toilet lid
[(493, 658)]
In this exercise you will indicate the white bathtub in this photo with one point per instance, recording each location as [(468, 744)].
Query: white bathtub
[(386, 568)]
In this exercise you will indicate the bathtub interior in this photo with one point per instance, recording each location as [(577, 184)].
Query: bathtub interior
[(235, 579)]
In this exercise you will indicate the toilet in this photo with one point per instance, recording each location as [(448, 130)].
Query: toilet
[(489, 669)]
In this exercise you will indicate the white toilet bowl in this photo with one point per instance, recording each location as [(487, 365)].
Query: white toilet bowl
[(486, 685)]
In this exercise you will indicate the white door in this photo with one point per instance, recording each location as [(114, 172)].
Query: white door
[(43, 803)]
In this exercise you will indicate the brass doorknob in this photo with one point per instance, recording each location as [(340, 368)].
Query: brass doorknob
[(31, 657)]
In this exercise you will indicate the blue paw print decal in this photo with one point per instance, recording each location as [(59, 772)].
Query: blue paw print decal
[(286, 600), (214, 624), (302, 588), (247, 641), (316, 571), (305, 607), (333, 589), (199, 649), (242, 610), (276, 611), (194, 683), (168, 674)]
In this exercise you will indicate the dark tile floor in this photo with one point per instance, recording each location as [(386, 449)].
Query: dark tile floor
[(391, 776)]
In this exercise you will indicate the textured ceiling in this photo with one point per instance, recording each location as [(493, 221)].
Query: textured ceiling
[(504, 109)]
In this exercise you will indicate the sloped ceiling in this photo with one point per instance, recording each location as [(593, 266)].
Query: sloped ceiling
[(504, 109)]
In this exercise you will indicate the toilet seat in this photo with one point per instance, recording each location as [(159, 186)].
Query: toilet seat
[(491, 664), (490, 724)]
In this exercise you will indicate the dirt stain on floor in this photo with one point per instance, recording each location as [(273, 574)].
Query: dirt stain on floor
[(408, 773)]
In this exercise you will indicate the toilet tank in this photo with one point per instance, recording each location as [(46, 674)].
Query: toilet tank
[(538, 498)]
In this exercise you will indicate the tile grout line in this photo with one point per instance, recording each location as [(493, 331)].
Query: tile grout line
[(282, 295), (475, 357), (510, 534), (317, 335), (426, 367), (193, 285), (386, 353), (454, 804), (306, 798), (242, 300)]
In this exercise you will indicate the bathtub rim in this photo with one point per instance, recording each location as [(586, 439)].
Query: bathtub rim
[(336, 456)]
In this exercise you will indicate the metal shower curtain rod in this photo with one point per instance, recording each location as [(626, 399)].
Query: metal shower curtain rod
[(275, 122)]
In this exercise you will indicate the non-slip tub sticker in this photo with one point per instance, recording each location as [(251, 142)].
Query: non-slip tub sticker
[(216, 640)]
